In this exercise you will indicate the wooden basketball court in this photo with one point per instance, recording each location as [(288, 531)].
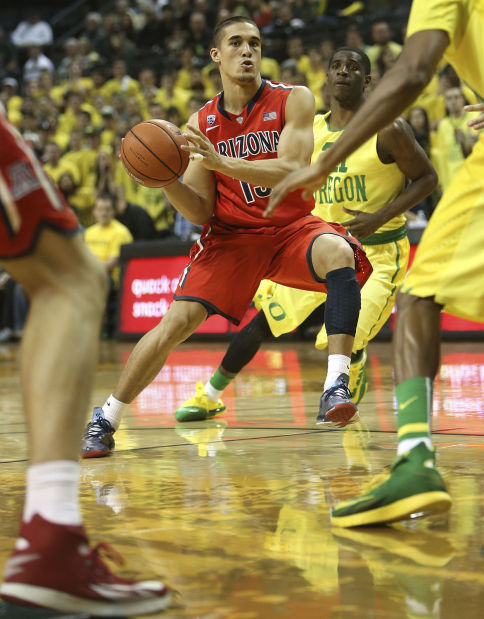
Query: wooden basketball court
[(233, 513)]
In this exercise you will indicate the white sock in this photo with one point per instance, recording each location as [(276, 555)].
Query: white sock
[(212, 393), (112, 411), (337, 364), (53, 492), (410, 443)]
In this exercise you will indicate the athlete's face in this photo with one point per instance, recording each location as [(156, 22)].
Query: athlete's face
[(346, 77), (239, 51)]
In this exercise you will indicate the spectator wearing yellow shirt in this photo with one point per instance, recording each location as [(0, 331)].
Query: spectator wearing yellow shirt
[(212, 83), (98, 77), (121, 177), (454, 140), (295, 51), (74, 82), (108, 126), (11, 100), (104, 239), (187, 60), (381, 35), (316, 74), (89, 155), (54, 166), (121, 82), (169, 95), (74, 104)]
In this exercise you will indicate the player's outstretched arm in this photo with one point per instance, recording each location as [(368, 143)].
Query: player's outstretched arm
[(194, 198), (398, 88), (294, 149), (397, 144)]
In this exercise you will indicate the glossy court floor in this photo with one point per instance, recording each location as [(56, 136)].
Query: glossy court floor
[(233, 513)]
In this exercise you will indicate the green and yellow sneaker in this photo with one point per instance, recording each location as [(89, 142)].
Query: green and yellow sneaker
[(199, 407), (413, 489), (358, 385)]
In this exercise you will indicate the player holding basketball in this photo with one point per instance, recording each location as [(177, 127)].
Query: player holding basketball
[(448, 266), (250, 136), (368, 194), (40, 246)]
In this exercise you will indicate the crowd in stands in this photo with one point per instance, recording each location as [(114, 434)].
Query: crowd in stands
[(73, 102)]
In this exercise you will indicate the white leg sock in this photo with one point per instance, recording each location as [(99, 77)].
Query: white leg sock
[(337, 364), (112, 410), (410, 443), (53, 492), (212, 393)]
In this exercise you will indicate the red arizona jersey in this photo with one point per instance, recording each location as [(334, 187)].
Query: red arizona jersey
[(253, 134), (28, 200)]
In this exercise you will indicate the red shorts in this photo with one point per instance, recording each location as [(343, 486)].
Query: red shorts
[(227, 265), (28, 200)]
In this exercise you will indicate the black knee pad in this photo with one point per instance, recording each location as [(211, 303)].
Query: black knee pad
[(343, 302)]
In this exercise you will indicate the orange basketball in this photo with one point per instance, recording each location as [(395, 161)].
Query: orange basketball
[(151, 153)]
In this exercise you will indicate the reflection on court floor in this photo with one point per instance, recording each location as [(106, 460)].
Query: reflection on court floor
[(234, 512)]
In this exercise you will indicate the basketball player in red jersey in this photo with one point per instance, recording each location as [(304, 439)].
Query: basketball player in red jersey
[(40, 246), (242, 142)]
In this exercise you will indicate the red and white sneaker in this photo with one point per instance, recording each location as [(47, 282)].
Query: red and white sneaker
[(53, 566)]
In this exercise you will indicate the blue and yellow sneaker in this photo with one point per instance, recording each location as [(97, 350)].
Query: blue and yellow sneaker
[(413, 489), (335, 406), (358, 385), (97, 440), (199, 407)]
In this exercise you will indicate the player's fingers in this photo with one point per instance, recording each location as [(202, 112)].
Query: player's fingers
[(192, 148), (476, 123), (194, 129), (307, 194), (475, 107), (275, 198), (349, 210)]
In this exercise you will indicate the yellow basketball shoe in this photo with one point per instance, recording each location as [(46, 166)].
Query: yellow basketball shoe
[(199, 407), (413, 489), (358, 385)]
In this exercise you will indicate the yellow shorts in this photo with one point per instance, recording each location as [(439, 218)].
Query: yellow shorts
[(286, 308), (449, 262)]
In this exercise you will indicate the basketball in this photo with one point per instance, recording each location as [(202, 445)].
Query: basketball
[(151, 153)]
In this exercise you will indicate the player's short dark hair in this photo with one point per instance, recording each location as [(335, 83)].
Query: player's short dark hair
[(220, 27), (365, 61)]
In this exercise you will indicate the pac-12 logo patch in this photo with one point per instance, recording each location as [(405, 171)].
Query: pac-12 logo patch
[(211, 119)]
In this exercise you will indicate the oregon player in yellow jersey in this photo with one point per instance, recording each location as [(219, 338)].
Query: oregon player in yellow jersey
[(367, 193), (447, 271)]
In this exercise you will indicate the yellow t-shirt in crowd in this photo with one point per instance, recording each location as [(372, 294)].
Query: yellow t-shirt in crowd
[(105, 242), (62, 167), (447, 150)]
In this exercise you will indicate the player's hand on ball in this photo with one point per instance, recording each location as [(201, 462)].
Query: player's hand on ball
[(200, 148)]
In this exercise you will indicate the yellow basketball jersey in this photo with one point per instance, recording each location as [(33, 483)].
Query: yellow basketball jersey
[(463, 20), (361, 182)]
